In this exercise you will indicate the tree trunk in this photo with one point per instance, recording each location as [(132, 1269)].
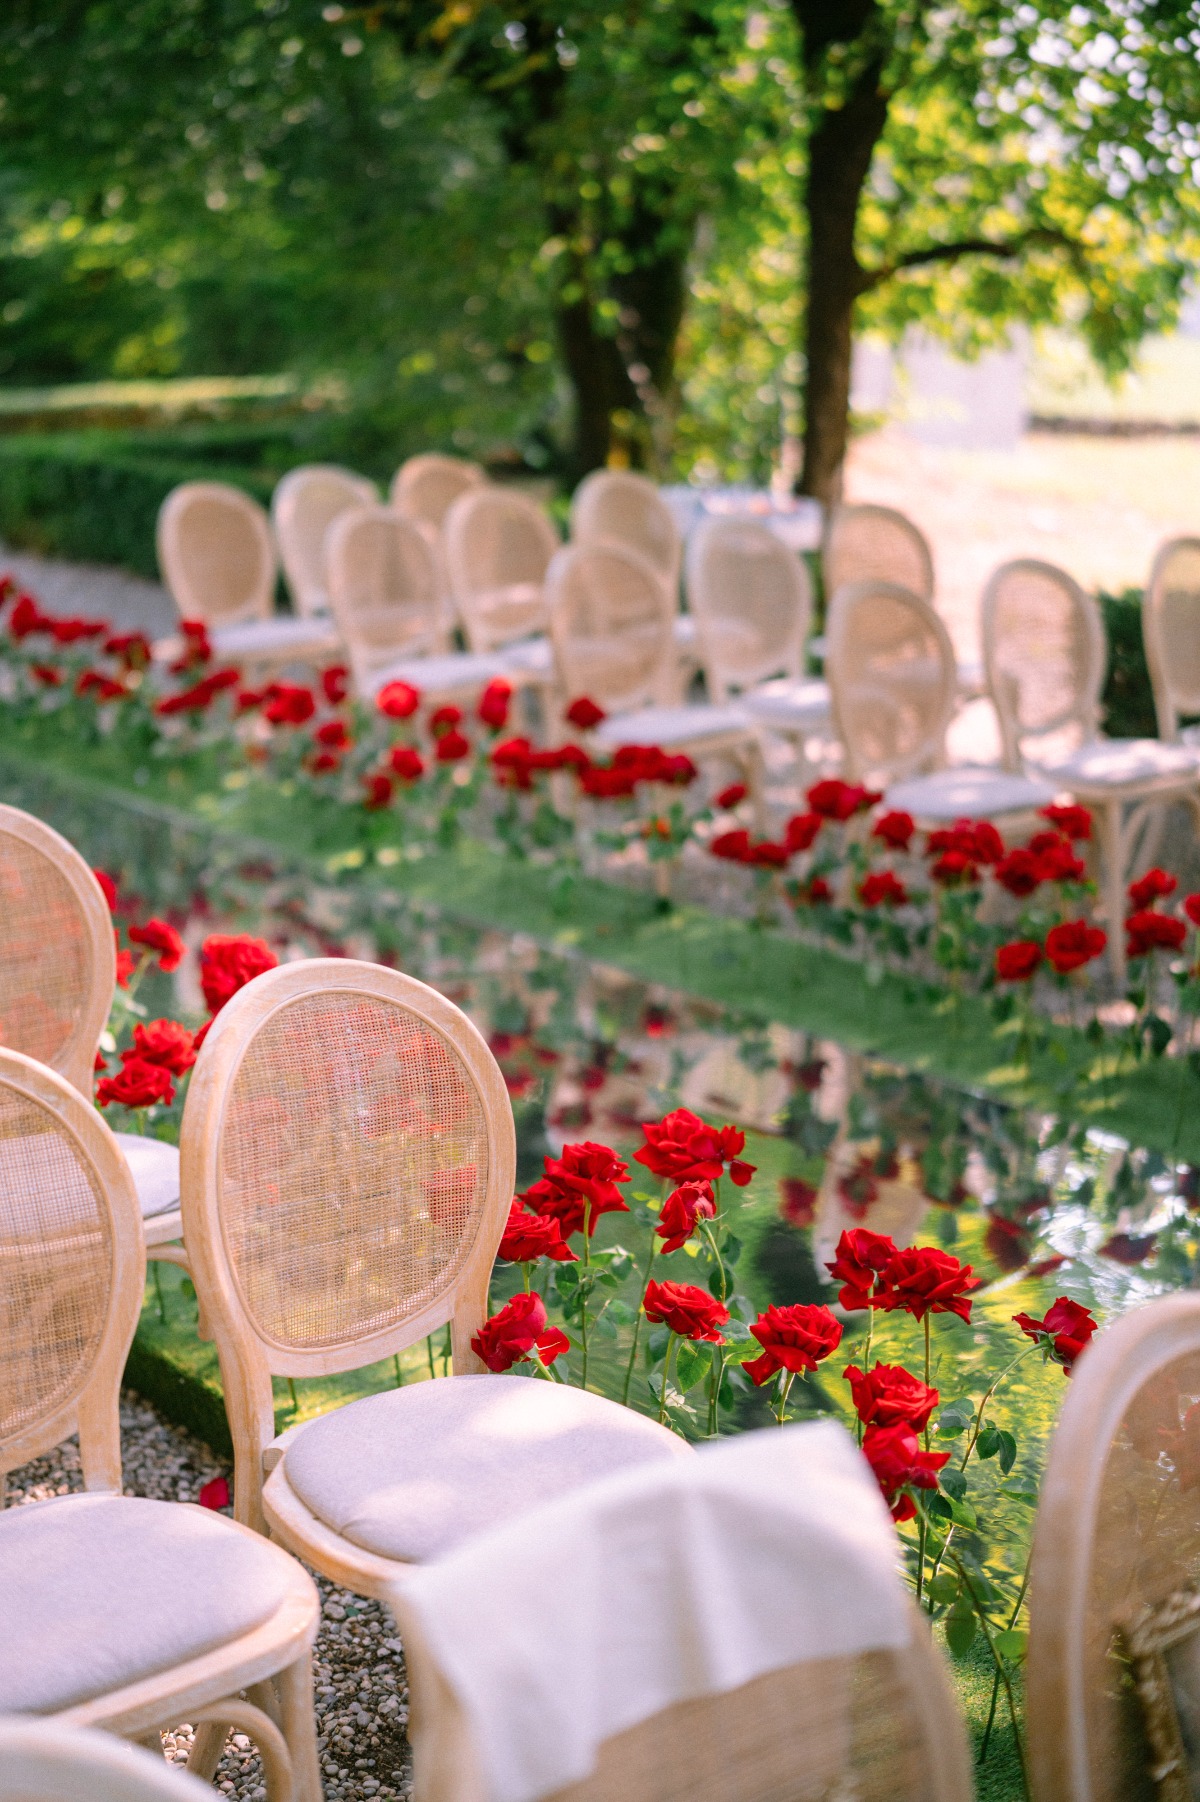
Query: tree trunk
[(599, 383)]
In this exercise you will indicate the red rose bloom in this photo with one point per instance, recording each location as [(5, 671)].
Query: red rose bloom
[(581, 1184), (882, 889), (156, 935), (110, 888), (528, 1237), (335, 683), (494, 704), (406, 763), (924, 1280), (731, 796), (895, 829), (814, 892), (445, 718), (585, 714), (47, 674), (1154, 886), (976, 840), (733, 846), (1018, 960), (1149, 931), (680, 1212), (452, 746), (201, 695), (1020, 872), (1075, 822), (164, 1042), (125, 967), (954, 869), (70, 631), (682, 1146), (95, 682), (1055, 859), (398, 700), (801, 831), (1007, 1242), (687, 1310), (377, 791), (334, 735), (1191, 908), (895, 1455), (890, 1396), (837, 800), (227, 964), (797, 1200), (509, 1336), (137, 1085), (1063, 1333), (1074, 943), (857, 1262), (289, 704), (795, 1338)]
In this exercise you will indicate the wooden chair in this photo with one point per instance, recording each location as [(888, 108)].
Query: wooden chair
[(217, 557), (57, 976), (1045, 653), (498, 546), (425, 488), (892, 678), (1117, 1533), (618, 507), (348, 1159), (1171, 635), (42, 1762), (119, 1612), (303, 507), (866, 543)]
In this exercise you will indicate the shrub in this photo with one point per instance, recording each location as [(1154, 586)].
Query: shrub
[(1128, 699)]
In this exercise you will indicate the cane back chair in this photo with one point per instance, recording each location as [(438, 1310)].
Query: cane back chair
[(620, 507), (304, 505), (57, 975), (498, 544), (1045, 653), (425, 488), (348, 1159), (217, 557), (865, 543), (1171, 634), (1117, 1537), (91, 1585), (42, 1762)]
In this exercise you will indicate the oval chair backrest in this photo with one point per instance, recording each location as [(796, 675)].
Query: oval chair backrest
[(383, 586), (865, 543), (611, 625), (891, 672), (625, 508), (1171, 632), (752, 601), (58, 965), (216, 553), (1117, 1534), (43, 1761), (72, 1270), (498, 544), (426, 487), (303, 507), (1044, 652)]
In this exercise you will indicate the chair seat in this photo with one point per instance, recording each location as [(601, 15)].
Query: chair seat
[(154, 1166), (528, 657), (98, 1591), (1115, 763), (683, 629), (969, 792), (788, 704), (275, 637), (672, 725), (451, 673), (411, 1472)]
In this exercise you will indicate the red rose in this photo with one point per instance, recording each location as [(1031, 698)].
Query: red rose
[(27, 618), (398, 700), (731, 796), (378, 790), (733, 846), (1007, 1242), (1063, 1333), (335, 683), (585, 714), (680, 1212), (125, 967), (954, 869), (528, 1237), (895, 829), (768, 855), (814, 892), (494, 704), (795, 1338), (924, 1280), (858, 1187), (1017, 961), (1020, 872), (289, 704), (334, 735), (164, 1042), (882, 889), (110, 888), (1191, 908), (976, 840), (581, 1184), (406, 763), (1149, 931), (201, 695), (137, 1085), (890, 1396), (682, 1146), (797, 1200), (227, 964), (1074, 943), (895, 1455), (1154, 886), (1128, 1248), (215, 1494), (801, 831), (197, 649), (323, 763), (444, 719), (509, 1336), (1076, 822), (156, 935), (857, 1262), (688, 1311), (452, 746), (837, 800), (69, 631), (47, 674), (94, 681)]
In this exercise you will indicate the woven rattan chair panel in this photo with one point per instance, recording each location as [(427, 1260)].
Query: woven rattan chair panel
[(891, 673), (383, 586), (1044, 654), (45, 954), (1171, 627), (353, 1169), (876, 544), (610, 622), (303, 507), (56, 1264), (752, 599), (426, 487), (498, 545), (216, 553), (627, 509)]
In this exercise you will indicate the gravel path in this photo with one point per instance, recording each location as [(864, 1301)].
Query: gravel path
[(358, 1674), (94, 591)]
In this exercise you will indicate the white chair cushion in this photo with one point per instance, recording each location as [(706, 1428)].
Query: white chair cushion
[(684, 630), (972, 679), (266, 637), (671, 725), (412, 1472), (968, 792), (789, 704), (1122, 762), (97, 1591), (154, 1166), (528, 657), (449, 672)]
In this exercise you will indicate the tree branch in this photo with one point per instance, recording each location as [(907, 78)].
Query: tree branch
[(963, 247)]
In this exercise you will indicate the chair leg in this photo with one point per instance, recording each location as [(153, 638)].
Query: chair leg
[(207, 1748), (299, 1722), (272, 1747), (1112, 879)]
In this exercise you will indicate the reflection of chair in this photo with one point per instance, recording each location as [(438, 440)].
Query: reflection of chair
[(1171, 633), (303, 507), (43, 1762), (875, 544), (1117, 1531), (498, 544), (425, 488), (734, 1631), (92, 1586), (623, 508), (891, 673), (1045, 652), (57, 976), (348, 1157)]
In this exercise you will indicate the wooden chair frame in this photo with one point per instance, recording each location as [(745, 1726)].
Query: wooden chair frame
[(1170, 698), (188, 595), (844, 518), (41, 1761), (481, 634), (248, 1360), (309, 588), (272, 1661), (855, 594), (411, 472), (368, 660), (590, 498)]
